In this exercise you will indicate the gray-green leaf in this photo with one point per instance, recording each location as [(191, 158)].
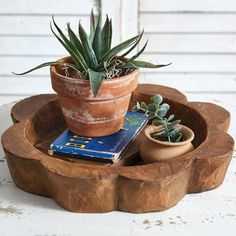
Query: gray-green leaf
[(157, 122), (165, 106), (53, 63), (144, 106), (138, 105), (95, 79), (88, 47), (171, 117), (151, 115), (144, 64), (152, 107), (157, 99)]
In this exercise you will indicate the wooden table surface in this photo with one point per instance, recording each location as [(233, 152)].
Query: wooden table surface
[(207, 213)]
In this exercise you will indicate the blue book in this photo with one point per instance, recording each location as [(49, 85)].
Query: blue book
[(108, 148)]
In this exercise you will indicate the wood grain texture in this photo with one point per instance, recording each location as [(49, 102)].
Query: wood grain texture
[(131, 186)]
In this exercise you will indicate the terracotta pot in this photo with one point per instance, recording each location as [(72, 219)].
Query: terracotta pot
[(153, 150), (87, 115)]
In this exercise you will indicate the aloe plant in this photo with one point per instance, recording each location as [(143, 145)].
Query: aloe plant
[(169, 131), (94, 58)]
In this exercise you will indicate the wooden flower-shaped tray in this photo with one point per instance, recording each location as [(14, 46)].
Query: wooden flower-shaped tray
[(129, 185)]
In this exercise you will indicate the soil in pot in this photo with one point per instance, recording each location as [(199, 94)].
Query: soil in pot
[(91, 116), (153, 150)]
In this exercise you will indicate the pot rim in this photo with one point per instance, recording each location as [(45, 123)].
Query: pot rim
[(185, 129), (83, 81)]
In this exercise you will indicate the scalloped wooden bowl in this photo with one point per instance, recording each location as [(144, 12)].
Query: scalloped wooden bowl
[(129, 185)]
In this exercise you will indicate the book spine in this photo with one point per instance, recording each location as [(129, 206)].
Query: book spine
[(90, 153)]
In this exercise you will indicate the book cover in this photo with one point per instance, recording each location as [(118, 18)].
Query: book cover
[(108, 148)]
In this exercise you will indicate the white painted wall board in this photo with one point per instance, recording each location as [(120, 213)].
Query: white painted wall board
[(31, 46), (186, 5), (113, 8), (129, 19), (203, 83), (25, 35), (191, 43), (180, 64), (198, 38), (20, 64), (188, 23), (30, 25), (193, 63), (207, 83), (26, 85), (33, 7), (164, 43)]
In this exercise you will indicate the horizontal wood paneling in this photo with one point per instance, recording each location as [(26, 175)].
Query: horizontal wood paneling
[(188, 5), (46, 7), (26, 40), (194, 63), (37, 25), (198, 37), (166, 43), (180, 63), (191, 83), (31, 46), (207, 83), (190, 43), (192, 23), (20, 64), (26, 85)]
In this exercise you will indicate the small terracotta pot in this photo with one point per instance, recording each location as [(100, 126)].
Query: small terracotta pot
[(153, 150), (87, 115)]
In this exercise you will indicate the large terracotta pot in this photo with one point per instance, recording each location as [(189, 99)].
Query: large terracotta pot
[(153, 150), (87, 115)]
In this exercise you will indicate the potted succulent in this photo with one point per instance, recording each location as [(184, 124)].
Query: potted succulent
[(94, 84), (165, 138)]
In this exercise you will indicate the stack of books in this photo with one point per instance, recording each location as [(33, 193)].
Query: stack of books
[(107, 149)]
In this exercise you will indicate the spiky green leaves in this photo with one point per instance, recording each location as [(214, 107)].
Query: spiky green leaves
[(95, 79), (92, 54), (156, 110), (74, 52), (52, 63), (96, 32), (105, 38), (157, 99), (92, 26), (117, 49), (101, 37), (88, 49)]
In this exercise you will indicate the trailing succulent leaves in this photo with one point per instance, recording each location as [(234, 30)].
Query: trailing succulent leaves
[(94, 58), (169, 131)]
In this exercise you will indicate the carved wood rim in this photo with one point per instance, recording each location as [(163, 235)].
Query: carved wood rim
[(140, 188)]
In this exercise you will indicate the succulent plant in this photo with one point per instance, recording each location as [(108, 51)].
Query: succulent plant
[(169, 131), (94, 58)]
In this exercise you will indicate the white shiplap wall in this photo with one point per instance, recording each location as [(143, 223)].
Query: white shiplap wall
[(198, 37), (26, 40)]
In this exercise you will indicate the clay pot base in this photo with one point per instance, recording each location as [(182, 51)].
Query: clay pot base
[(129, 185)]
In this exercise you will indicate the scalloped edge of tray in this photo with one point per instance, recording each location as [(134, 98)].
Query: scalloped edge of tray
[(136, 188)]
